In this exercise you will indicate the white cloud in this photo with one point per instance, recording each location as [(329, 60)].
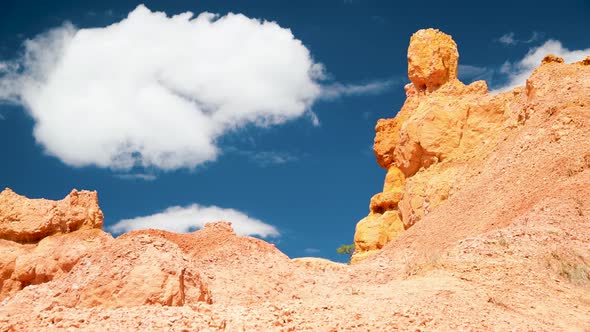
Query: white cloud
[(518, 72), (509, 39), (338, 90), (267, 158), (470, 73), (311, 251), (158, 91), (186, 219), (136, 176)]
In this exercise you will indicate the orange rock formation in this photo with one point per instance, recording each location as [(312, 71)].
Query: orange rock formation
[(443, 128)]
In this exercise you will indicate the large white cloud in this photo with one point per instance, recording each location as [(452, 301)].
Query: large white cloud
[(518, 72), (185, 219), (158, 91)]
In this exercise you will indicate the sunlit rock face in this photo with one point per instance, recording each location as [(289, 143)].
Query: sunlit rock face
[(27, 220), (432, 59), (444, 127)]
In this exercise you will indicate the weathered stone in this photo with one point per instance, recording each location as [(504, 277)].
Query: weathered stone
[(443, 122), (374, 231), (432, 59), (30, 220)]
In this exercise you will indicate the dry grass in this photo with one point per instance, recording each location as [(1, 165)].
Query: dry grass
[(569, 266), (419, 267)]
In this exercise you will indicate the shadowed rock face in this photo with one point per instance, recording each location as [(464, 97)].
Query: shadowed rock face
[(444, 127)]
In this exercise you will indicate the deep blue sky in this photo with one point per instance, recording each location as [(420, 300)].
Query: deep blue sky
[(315, 199)]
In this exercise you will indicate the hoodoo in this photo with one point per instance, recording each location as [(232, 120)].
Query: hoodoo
[(430, 147)]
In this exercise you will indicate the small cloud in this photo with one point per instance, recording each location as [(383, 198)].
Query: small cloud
[(311, 251), (186, 219), (337, 90), (470, 73), (507, 39), (379, 19), (510, 40), (535, 36), (265, 158), (138, 176), (314, 118), (517, 72)]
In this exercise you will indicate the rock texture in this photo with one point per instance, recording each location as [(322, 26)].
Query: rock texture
[(444, 129), (36, 245), (26, 220), (482, 225)]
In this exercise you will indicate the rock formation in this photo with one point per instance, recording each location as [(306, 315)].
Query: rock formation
[(442, 128), (35, 240), (30, 220), (482, 225)]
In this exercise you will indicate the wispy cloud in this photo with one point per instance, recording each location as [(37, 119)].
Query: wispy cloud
[(470, 73), (264, 158), (189, 218), (337, 90), (136, 176), (517, 72), (509, 38), (311, 251)]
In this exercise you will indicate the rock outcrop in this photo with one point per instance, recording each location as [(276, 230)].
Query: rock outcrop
[(60, 244), (42, 239), (445, 127), (135, 270), (26, 220)]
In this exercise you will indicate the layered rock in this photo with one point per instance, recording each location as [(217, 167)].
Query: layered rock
[(443, 129)]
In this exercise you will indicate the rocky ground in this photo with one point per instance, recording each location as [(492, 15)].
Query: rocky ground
[(483, 224)]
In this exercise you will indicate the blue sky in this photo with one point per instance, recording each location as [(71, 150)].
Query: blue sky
[(285, 150)]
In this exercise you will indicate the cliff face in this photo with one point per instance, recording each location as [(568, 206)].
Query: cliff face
[(437, 141)]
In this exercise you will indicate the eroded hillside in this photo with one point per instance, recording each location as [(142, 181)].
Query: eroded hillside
[(483, 224)]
